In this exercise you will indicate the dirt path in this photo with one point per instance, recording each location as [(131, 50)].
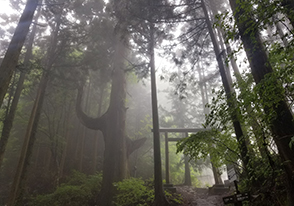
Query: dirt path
[(198, 197)]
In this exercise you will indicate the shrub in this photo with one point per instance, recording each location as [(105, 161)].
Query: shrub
[(136, 192), (132, 192), (79, 190), (65, 195)]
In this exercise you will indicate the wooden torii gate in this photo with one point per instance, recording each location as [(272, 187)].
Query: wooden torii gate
[(185, 131)]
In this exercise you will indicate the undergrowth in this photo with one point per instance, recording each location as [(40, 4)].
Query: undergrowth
[(83, 190)]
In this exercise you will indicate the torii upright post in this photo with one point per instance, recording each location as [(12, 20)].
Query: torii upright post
[(166, 159), (187, 168)]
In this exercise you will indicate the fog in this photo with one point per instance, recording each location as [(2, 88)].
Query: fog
[(80, 116)]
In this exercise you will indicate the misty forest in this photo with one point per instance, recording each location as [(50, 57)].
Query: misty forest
[(146, 102)]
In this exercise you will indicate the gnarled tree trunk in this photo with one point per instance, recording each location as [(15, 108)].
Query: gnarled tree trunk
[(112, 125)]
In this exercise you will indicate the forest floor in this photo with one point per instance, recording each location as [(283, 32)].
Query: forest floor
[(199, 197)]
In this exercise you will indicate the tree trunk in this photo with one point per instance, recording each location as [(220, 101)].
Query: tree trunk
[(203, 91), (282, 125), (227, 87), (64, 152), (252, 119), (77, 145), (112, 125), (115, 154), (8, 122), (188, 180), (289, 10), (160, 199), (66, 134), (17, 190), (281, 33), (12, 54), (84, 131), (98, 134)]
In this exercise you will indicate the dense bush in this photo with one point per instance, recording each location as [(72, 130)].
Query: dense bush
[(133, 191), (78, 190), (136, 192), (82, 190)]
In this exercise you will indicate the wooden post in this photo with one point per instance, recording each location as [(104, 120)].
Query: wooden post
[(238, 192), (166, 159), (187, 168)]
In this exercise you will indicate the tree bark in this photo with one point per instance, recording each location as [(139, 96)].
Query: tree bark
[(112, 125), (84, 131), (66, 133), (64, 152), (10, 60), (282, 125), (188, 180), (16, 194), (203, 91), (160, 199), (8, 122), (227, 87), (289, 10), (98, 134), (17, 190)]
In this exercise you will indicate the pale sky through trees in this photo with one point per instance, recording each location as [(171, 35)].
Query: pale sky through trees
[(4, 7)]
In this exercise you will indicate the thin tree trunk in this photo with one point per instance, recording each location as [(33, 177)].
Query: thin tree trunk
[(160, 199), (289, 10), (252, 121), (17, 190), (251, 152), (282, 126), (234, 115), (77, 145), (81, 148), (16, 194), (281, 33), (10, 94), (84, 131), (66, 136), (10, 60), (8, 122), (188, 180), (64, 152), (203, 91), (48, 159)]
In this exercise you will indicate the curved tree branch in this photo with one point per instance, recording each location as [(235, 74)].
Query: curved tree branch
[(133, 145), (97, 123)]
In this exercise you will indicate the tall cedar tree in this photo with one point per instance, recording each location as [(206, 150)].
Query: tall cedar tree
[(228, 90), (18, 186), (8, 122), (282, 125), (143, 18), (10, 60)]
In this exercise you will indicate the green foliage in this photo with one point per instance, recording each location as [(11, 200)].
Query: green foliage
[(79, 190), (220, 147), (177, 166), (65, 195), (133, 192), (136, 192), (82, 190)]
